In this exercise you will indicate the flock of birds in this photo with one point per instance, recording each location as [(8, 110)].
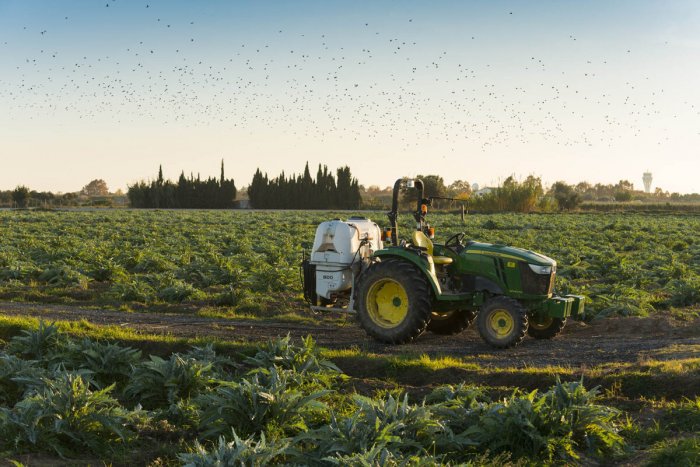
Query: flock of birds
[(378, 85)]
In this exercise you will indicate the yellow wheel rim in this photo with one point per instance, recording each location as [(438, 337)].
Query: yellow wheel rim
[(501, 323), (387, 303), (544, 324)]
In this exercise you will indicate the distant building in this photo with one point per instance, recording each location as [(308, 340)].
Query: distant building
[(647, 182), (483, 191)]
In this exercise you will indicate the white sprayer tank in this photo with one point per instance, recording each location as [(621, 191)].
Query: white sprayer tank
[(338, 246)]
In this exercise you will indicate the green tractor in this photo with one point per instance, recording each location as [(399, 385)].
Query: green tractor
[(404, 287)]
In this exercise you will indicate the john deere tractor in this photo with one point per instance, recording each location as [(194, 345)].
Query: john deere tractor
[(400, 288)]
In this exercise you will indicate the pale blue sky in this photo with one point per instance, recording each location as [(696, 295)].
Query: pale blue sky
[(597, 91)]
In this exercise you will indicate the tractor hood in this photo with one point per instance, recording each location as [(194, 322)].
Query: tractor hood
[(508, 252)]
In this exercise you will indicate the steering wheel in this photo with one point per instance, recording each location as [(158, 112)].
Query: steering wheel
[(455, 240)]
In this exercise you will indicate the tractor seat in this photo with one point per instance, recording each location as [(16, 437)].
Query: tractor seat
[(420, 240)]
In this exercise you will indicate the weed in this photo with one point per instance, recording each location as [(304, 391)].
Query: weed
[(684, 452), (683, 415), (638, 435)]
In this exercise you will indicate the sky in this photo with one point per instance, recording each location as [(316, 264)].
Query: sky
[(564, 90)]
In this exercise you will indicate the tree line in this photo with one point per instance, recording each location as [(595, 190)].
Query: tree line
[(305, 192), (528, 195), (94, 193), (186, 193), (341, 191), (326, 191)]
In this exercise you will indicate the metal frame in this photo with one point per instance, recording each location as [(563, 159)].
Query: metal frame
[(351, 304)]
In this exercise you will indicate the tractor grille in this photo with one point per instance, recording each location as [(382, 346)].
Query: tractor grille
[(535, 284)]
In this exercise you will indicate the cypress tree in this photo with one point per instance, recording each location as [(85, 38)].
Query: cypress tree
[(186, 193), (304, 192)]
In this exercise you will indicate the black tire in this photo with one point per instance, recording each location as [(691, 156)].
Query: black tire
[(546, 329), (449, 323), (406, 316), (502, 322)]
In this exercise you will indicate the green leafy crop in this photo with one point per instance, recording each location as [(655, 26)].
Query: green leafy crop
[(285, 404), (625, 263)]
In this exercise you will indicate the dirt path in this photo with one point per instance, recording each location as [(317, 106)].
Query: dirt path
[(580, 345)]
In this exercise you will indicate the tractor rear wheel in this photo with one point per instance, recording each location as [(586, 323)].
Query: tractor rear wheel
[(394, 302), (448, 323), (547, 328), (502, 322)]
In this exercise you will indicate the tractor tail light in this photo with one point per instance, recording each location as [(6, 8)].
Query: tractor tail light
[(431, 232), (424, 208), (387, 235)]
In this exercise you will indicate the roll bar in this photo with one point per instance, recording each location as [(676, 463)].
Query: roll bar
[(418, 214)]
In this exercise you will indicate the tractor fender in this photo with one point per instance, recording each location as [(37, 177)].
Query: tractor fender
[(421, 261)]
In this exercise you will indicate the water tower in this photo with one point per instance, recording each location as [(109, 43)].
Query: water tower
[(647, 182)]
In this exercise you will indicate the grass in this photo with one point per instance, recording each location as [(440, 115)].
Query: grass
[(683, 452), (672, 379), (676, 350), (285, 317), (300, 316), (640, 435), (684, 415), (653, 378), (156, 344)]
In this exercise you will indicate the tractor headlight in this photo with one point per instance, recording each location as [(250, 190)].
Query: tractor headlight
[(540, 269)]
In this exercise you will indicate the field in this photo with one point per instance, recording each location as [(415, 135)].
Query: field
[(627, 264), (211, 296)]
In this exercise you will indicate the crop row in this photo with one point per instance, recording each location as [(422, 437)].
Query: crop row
[(627, 264), (280, 405)]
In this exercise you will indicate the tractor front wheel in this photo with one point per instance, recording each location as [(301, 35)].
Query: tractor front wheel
[(546, 328), (394, 302), (448, 323), (502, 322)]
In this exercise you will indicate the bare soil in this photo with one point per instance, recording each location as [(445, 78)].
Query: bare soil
[(579, 346)]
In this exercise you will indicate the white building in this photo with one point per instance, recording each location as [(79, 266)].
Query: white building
[(483, 191)]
